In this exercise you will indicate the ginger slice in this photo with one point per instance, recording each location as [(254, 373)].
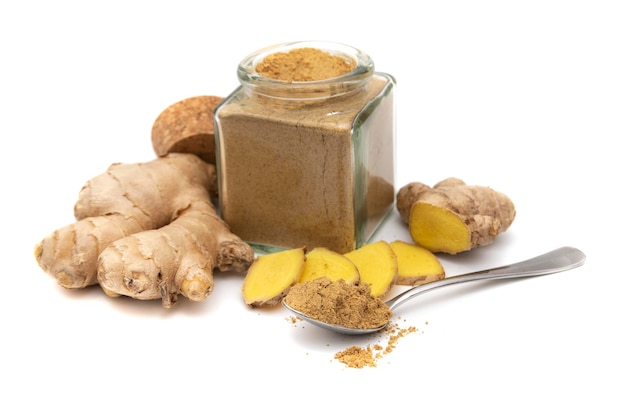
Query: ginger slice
[(416, 265), (270, 277), (454, 217), (323, 262), (377, 266)]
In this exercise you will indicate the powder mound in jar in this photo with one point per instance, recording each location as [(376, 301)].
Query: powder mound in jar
[(304, 64), (337, 302)]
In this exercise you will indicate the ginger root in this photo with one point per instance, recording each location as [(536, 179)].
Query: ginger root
[(323, 262), (453, 217), (416, 265), (147, 231), (377, 265), (271, 276)]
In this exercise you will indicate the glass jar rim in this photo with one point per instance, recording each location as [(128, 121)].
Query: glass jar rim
[(302, 90)]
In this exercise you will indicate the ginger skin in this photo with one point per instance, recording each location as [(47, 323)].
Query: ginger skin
[(147, 231), (453, 217)]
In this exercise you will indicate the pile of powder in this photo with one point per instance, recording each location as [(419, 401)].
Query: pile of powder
[(360, 357), (337, 302), (304, 64)]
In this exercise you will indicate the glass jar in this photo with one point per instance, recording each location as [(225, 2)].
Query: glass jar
[(307, 163)]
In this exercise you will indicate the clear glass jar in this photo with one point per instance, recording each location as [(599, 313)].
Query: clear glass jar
[(307, 163)]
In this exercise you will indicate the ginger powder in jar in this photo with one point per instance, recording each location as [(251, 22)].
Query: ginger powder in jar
[(305, 148)]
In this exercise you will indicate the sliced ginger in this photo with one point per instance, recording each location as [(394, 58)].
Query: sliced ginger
[(323, 262), (454, 217), (416, 265), (377, 265), (270, 277)]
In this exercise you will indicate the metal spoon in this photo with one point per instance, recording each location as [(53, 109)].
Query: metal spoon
[(557, 260)]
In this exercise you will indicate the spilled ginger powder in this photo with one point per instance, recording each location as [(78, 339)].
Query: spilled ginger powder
[(360, 357), (348, 305)]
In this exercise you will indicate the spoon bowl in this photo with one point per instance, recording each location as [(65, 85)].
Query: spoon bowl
[(557, 260)]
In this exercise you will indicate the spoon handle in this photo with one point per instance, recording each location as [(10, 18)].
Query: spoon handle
[(557, 260)]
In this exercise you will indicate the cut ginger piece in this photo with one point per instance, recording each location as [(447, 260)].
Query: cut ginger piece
[(323, 262), (377, 266), (270, 277), (453, 217), (416, 265), (439, 229)]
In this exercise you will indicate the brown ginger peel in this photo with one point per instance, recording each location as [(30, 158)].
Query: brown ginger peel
[(453, 217)]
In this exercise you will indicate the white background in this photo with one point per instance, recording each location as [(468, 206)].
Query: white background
[(527, 97)]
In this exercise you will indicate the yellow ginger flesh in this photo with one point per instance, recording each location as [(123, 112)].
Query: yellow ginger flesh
[(270, 277), (416, 265), (323, 262), (439, 229), (377, 266)]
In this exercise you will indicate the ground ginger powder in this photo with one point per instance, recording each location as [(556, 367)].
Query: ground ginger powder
[(349, 305), (360, 357), (306, 163), (337, 302), (304, 64)]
